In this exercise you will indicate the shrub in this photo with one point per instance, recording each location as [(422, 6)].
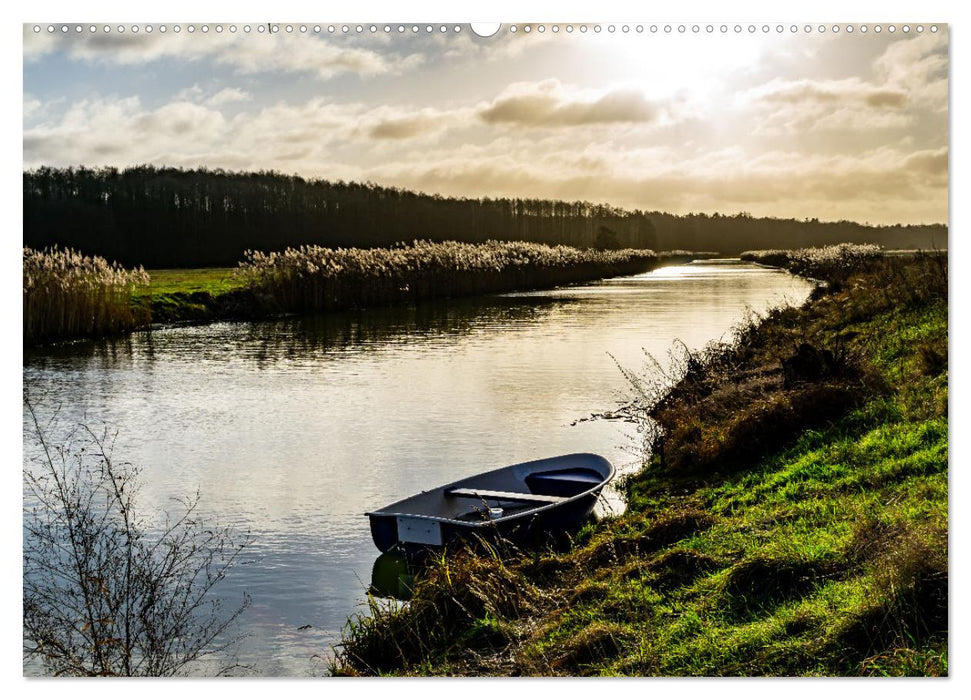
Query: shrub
[(103, 595)]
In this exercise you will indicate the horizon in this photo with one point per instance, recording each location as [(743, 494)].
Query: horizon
[(835, 127), (422, 193)]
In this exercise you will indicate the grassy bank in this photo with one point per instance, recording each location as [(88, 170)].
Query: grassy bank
[(791, 520), (193, 294)]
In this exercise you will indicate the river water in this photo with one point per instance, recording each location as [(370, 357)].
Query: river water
[(292, 429)]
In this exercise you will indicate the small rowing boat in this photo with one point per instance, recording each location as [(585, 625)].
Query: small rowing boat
[(546, 495)]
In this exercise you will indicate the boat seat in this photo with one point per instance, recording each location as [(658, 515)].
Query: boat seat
[(483, 494)]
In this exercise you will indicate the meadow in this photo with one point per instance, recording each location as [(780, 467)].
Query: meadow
[(791, 516)]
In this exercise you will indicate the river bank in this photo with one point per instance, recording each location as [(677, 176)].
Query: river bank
[(221, 294), (305, 280), (791, 519)]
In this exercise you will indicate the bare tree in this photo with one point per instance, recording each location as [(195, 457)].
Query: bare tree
[(104, 594)]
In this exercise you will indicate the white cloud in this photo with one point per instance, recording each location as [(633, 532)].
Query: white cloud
[(228, 96), (910, 76), (31, 106), (801, 106), (324, 57)]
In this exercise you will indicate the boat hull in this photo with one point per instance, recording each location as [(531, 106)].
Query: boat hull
[(522, 503)]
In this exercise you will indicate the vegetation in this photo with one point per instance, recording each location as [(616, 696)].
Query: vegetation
[(105, 593), (210, 280), (314, 278), (194, 295), (832, 263), (68, 295), (306, 279), (169, 217), (791, 518)]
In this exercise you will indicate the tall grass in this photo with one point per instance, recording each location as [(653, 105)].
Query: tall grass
[(315, 278), (833, 263), (70, 295)]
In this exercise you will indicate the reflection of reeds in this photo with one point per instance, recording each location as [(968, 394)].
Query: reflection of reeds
[(833, 263), (69, 295), (312, 277)]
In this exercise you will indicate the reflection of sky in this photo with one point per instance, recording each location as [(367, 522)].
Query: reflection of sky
[(798, 125), (295, 437)]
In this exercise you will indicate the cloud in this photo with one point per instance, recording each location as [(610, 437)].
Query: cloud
[(121, 131), (919, 67), (550, 104), (799, 106), (323, 57), (909, 77), (408, 125), (828, 93), (228, 96), (31, 106), (192, 130)]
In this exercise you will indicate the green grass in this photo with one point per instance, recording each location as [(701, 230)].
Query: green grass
[(822, 552), (214, 280), (188, 294)]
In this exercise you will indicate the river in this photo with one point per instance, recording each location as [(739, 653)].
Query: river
[(293, 428)]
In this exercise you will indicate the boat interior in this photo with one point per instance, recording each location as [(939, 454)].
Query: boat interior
[(508, 491)]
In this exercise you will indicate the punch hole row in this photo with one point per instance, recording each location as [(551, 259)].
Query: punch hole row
[(249, 29), (514, 28), (722, 29)]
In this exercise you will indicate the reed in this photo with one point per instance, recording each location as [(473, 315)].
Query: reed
[(70, 295), (311, 278), (832, 263)]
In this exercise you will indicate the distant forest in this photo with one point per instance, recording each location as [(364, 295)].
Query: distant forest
[(169, 217)]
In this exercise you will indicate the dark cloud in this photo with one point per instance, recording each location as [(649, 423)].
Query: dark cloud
[(547, 104), (403, 127)]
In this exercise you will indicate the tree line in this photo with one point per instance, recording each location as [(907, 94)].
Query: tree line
[(172, 217)]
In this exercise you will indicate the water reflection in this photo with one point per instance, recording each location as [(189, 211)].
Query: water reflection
[(294, 428), (303, 338)]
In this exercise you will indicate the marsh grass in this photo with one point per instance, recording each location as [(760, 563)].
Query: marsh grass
[(70, 295), (787, 522), (832, 263), (311, 278)]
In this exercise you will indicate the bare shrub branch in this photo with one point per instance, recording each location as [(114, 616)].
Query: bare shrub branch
[(105, 594)]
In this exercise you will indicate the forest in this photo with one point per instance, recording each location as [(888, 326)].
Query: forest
[(162, 217)]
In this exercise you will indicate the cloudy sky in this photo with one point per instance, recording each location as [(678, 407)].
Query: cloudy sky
[(824, 125)]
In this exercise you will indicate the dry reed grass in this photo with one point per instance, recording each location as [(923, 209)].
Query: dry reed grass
[(70, 295), (315, 278), (832, 263)]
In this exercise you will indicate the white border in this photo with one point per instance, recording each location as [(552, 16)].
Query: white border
[(602, 11)]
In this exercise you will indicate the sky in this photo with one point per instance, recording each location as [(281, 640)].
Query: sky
[(805, 125)]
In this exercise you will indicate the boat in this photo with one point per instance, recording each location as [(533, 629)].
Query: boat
[(515, 502)]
